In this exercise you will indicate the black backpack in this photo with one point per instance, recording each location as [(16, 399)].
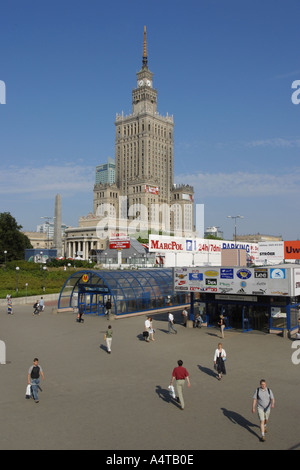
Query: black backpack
[(35, 373)]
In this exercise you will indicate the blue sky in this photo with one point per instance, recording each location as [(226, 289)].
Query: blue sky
[(224, 69)]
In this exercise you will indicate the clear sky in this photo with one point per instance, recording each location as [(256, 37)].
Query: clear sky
[(223, 68)]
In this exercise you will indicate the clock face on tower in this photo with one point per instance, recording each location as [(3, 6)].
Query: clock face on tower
[(141, 82), (148, 83)]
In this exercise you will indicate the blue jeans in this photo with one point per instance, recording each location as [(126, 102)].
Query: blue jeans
[(35, 386)]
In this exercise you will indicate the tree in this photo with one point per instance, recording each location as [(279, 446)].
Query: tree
[(12, 239)]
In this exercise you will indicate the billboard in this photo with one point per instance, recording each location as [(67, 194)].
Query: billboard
[(270, 252), (292, 250), (209, 250), (234, 280), (119, 243)]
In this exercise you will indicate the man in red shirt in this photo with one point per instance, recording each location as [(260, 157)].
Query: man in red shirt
[(180, 374)]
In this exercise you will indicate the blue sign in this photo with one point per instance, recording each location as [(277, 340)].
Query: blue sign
[(226, 273), (244, 273), (277, 273), (195, 276), (189, 245)]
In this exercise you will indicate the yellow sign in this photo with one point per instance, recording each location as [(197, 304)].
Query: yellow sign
[(85, 278)]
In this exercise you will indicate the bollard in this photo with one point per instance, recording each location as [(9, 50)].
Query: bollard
[(2, 353)]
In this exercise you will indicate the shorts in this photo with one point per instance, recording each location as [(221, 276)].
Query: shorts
[(264, 414)]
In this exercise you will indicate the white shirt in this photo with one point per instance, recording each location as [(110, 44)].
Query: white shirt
[(217, 352), (171, 317)]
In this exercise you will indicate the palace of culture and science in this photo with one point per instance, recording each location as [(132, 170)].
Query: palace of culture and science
[(143, 197)]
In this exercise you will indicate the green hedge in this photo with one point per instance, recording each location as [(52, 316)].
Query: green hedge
[(33, 275)]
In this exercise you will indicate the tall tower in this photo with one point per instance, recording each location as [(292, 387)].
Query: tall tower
[(144, 146), (57, 241)]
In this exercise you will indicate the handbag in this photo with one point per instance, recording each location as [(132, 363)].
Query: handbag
[(28, 392)]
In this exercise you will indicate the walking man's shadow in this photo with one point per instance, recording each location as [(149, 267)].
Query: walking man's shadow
[(236, 418), (164, 394)]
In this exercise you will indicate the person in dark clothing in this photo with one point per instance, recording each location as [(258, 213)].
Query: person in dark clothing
[(34, 373), (107, 308)]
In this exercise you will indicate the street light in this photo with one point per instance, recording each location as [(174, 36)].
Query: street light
[(235, 217), (5, 253), (17, 287), (44, 287)]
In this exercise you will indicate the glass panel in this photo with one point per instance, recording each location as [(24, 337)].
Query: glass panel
[(278, 317)]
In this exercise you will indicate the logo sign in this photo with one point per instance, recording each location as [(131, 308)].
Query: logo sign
[(261, 273), (211, 273), (195, 276), (226, 273), (277, 273), (211, 282), (244, 273), (85, 278)]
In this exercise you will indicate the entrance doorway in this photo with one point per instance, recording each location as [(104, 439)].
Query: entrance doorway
[(238, 317), (91, 303)]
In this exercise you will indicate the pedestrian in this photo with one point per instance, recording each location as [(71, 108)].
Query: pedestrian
[(42, 304), (264, 399), (79, 318), (108, 338), (219, 361), (36, 308), (149, 329), (185, 316), (171, 323), (180, 374), (9, 306), (198, 321), (108, 308), (34, 373), (222, 325)]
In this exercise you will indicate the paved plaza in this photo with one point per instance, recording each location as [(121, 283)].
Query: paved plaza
[(93, 400)]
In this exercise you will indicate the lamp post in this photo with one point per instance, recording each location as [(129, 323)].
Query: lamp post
[(235, 217), (5, 253), (44, 287), (17, 286)]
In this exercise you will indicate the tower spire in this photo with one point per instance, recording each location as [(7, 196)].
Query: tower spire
[(145, 59)]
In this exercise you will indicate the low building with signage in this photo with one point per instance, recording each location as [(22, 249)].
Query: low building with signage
[(262, 298), (130, 292)]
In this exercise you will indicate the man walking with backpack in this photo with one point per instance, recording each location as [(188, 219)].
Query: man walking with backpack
[(265, 400), (34, 373)]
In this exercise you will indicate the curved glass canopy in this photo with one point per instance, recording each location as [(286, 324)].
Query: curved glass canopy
[(129, 291)]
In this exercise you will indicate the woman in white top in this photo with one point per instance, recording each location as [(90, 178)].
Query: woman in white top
[(219, 361), (148, 327)]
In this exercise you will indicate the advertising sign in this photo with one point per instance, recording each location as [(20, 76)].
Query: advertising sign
[(292, 250), (210, 250), (270, 252), (151, 189), (119, 243), (297, 282), (236, 281)]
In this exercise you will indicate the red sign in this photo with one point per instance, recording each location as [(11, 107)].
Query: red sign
[(119, 244), (292, 250)]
